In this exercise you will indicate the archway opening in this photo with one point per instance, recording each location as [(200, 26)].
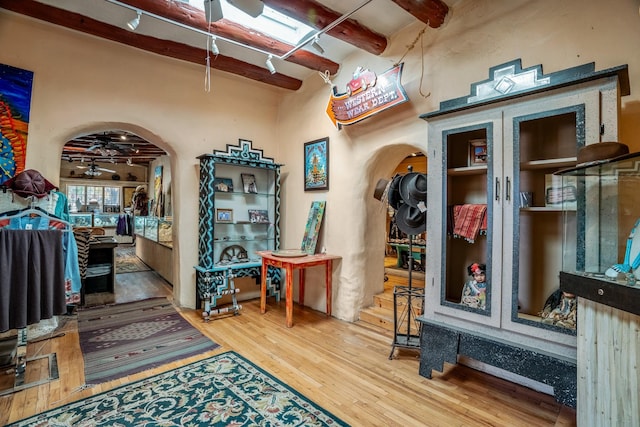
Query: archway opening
[(129, 254)]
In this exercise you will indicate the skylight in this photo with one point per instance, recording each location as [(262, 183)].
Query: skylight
[(270, 22)]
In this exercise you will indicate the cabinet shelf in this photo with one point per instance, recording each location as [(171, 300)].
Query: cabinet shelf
[(543, 209), (470, 170), (549, 163), (241, 193)]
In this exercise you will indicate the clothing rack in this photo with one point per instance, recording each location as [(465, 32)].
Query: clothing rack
[(14, 349)]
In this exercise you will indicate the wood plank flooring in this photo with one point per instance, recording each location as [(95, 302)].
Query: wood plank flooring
[(344, 367)]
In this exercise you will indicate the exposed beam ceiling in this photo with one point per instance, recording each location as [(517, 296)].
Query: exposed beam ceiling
[(314, 13)]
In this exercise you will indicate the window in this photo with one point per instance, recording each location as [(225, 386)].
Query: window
[(94, 198), (269, 22)]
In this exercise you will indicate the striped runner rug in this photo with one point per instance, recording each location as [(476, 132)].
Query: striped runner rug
[(123, 339)]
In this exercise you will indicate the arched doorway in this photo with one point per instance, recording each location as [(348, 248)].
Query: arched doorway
[(101, 172), (383, 164)]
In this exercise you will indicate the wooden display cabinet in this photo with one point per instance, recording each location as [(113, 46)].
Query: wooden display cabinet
[(533, 125)]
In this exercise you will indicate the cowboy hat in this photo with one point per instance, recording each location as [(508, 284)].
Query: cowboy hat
[(601, 151), (411, 220), (29, 183), (393, 193), (413, 188), (381, 187)]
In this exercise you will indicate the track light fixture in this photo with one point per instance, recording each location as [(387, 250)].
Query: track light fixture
[(133, 24), (269, 65), (214, 47), (316, 45)]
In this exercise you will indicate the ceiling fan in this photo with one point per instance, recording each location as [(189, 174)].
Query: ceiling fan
[(106, 147), (103, 145), (94, 170)]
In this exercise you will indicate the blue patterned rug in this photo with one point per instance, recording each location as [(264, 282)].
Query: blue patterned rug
[(222, 390)]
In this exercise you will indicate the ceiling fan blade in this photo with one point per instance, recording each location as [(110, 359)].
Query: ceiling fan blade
[(104, 170), (67, 148), (81, 167)]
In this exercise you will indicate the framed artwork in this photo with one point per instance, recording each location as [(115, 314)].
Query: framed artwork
[(477, 152), (311, 231), (223, 185), (127, 195), (158, 206), (560, 191), (15, 103), (224, 215), (249, 183), (258, 216), (316, 165)]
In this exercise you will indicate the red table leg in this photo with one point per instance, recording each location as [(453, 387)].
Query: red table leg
[(263, 288), (328, 280), (289, 295), (301, 276)]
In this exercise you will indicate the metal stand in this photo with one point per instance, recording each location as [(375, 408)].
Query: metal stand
[(21, 362), (405, 311)]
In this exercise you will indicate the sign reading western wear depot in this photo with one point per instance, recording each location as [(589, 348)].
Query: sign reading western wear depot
[(366, 95)]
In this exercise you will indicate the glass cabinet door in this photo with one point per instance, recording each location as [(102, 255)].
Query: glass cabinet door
[(465, 169), (545, 140), (468, 273)]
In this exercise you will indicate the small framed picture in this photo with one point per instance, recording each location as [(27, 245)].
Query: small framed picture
[(224, 215), (258, 216), (477, 152), (249, 183), (560, 191), (316, 165), (223, 185)]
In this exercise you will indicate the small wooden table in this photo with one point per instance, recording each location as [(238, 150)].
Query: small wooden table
[(290, 264)]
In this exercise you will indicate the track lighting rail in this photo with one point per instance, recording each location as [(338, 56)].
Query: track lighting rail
[(270, 55)]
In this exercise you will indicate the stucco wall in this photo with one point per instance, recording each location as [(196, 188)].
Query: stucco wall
[(476, 36), (86, 84), (83, 84)]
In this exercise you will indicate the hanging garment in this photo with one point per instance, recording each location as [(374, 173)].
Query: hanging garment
[(122, 228), (73, 283), (82, 241), (32, 279)]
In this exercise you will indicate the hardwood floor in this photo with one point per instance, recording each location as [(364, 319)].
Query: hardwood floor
[(344, 367)]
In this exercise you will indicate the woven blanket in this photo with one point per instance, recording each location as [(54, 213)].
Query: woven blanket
[(128, 262), (223, 390), (469, 220), (123, 339)]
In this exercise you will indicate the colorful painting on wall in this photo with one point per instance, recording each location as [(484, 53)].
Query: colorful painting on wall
[(312, 230), (15, 103), (316, 165), (158, 208)]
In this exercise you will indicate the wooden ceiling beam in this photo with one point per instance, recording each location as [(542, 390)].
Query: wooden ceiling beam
[(318, 16), (167, 48), (430, 12), (190, 16)]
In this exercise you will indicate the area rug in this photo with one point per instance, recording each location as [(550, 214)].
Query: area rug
[(123, 339), (128, 262), (222, 390)]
